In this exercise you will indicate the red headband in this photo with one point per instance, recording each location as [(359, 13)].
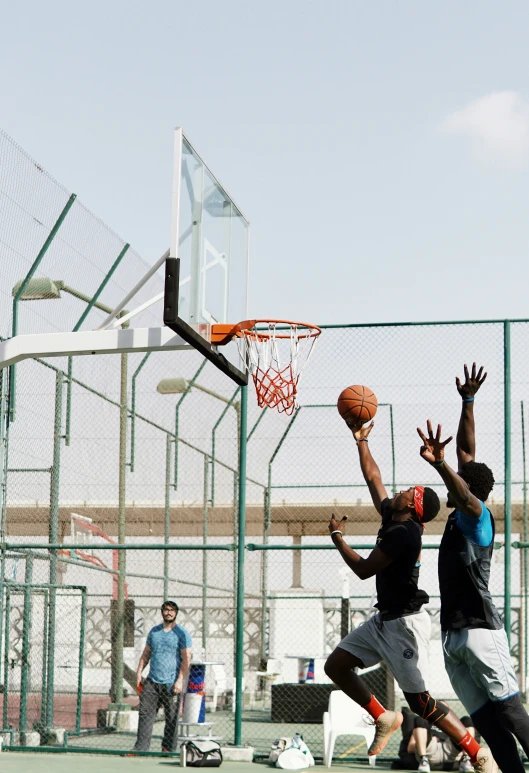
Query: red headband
[(418, 500)]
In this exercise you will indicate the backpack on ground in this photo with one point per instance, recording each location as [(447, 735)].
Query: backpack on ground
[(200, 754)]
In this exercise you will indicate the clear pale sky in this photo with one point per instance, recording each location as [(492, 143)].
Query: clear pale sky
[(379, 149)]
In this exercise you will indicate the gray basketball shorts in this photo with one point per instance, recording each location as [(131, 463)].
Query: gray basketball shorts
[(478, 663), (401, 643), (440, 753)]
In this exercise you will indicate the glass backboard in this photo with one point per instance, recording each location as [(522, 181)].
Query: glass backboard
[(209, 234)]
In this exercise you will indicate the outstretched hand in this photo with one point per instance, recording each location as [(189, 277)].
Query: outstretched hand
[(334, 525), (472, 382), (360, 431), (433, 448)]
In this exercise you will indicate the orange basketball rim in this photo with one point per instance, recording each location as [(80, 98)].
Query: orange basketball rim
[(275, 351)]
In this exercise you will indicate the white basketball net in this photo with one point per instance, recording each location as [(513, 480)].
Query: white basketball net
[(275, 353)]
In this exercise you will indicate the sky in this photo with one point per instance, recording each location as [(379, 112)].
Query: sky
[(379, 149)]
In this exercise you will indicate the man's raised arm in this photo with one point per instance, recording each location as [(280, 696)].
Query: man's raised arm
[(368, 465), (433, 452), (466, 432)]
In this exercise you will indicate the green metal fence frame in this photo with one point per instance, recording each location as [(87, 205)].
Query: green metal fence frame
[(240, 479), (36, 263), (28, 588)]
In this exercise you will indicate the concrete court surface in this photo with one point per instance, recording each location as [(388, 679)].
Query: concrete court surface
[(46, 762)]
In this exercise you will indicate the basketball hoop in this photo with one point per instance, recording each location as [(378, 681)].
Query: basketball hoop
[(82, 532), (275, 351)]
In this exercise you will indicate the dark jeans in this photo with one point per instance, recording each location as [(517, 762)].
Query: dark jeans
[(152, 697)]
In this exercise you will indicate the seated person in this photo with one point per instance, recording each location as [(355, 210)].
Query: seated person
[(424, 747)]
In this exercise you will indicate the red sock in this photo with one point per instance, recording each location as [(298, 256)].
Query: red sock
[(374, 708), (469, 745)]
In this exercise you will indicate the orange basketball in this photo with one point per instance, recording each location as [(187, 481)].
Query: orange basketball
[(358, 403)]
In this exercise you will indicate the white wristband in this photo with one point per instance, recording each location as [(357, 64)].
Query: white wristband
[(336, 531)]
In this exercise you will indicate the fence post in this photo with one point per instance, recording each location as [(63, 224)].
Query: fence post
[(3, 489), (82, 634), (118, 634), (507, 472), (133, 411), (205, 527), (393, 466), (264, 564), (523, 559), (177, 419), (7, 618), (26, 633), (239, 635), (54, 538), (45, 627), (167, 516)]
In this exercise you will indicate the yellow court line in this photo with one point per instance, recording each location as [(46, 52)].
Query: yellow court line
[(352, 749)]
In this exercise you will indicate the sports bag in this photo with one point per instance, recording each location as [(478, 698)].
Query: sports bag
[(291, 753), (200, 754)]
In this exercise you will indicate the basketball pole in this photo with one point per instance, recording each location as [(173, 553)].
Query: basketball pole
[(241, 537), (118, 635), (523, 564), (54, 538), (507, 474)]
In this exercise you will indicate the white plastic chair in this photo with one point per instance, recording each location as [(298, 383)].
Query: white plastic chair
[(220, 684), (274, 669), (344, 717)]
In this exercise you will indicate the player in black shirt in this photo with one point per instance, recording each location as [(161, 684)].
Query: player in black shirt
[(475, 645), (399, 634)]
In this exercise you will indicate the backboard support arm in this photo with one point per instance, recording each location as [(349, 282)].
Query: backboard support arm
[(186, 332), (129, 341)]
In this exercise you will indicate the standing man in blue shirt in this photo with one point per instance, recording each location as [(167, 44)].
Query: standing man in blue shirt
[(475, 645), (168, 651)]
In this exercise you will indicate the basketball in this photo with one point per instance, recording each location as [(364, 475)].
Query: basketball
[(357, 402)]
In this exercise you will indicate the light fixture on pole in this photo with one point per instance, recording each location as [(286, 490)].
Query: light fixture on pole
[(178, 386)]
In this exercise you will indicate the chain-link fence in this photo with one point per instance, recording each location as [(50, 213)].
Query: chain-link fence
[(95, 457)]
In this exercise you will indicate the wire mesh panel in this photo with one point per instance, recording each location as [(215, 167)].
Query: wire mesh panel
[(310, 597), (94, 457)]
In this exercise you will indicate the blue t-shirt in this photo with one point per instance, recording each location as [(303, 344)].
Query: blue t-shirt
[(477, 530), (164, 665)]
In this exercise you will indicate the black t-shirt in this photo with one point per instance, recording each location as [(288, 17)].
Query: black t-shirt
[(398, 591)]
